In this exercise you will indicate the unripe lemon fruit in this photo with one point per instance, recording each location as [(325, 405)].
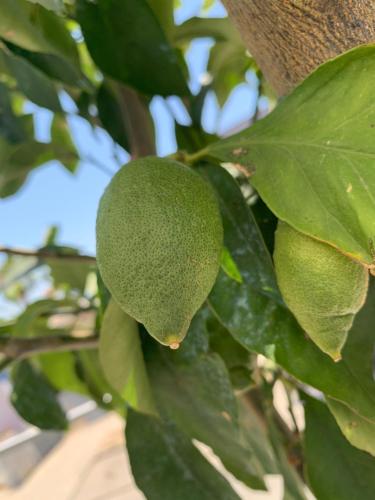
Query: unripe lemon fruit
[(322, 287), (159, 239)]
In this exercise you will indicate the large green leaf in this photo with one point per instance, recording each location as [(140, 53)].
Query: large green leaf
[(199, 398), (312, 158), (167, 466), (252, 314), (358, 357), (56, 67), (60, 368), (111, 115), (335, 469), (121, 358), (35, 399), (31, 81), (127, 43), (241, 234), (357, 430), (16, 27)]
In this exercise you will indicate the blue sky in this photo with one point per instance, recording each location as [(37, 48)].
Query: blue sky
[(52, 195)]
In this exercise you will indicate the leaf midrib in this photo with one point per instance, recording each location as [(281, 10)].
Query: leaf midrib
[(248, 141)]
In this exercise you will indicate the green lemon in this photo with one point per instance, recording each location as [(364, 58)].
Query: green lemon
[(159, 240), (321, 286)]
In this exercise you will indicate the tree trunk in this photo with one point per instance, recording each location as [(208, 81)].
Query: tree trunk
[(290, 38)]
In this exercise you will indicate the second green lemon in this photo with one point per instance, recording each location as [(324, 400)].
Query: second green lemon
[(159, 239), (323, 288)]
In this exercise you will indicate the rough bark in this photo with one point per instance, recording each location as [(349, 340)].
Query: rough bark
[(290, 38)]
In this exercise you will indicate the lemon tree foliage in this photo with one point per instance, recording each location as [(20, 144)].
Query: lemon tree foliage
[(231, 270)]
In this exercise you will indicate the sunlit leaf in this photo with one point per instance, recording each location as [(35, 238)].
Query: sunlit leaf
[(311, 160)]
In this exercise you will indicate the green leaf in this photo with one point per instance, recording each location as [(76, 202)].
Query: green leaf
[(335, 469), (27, 321), (358, 357), (35, 399), (235, 357), (357, 430), (252, 314), (267, 223), (55, 31), (121, 358), (60, 368), (227, 64), (242, 237), (163, 10), (111, 115), (62, 143), (167, 466), (207, 4), (16, 27), (145, 61), (228, 60), (11, 126), (198, 397), (359, 347), (55, 5), (316, 151), (17, 160), (221, 29), (69, 272), (229, 266), (255, 437), (56, 67), (32, 82), (100, 390)]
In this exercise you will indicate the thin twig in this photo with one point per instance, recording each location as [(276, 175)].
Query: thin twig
[(46, 254), (15, 348)]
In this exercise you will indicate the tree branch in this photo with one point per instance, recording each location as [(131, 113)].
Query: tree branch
[(15, 348), (46, 254), (290, 38), (137, 121)]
